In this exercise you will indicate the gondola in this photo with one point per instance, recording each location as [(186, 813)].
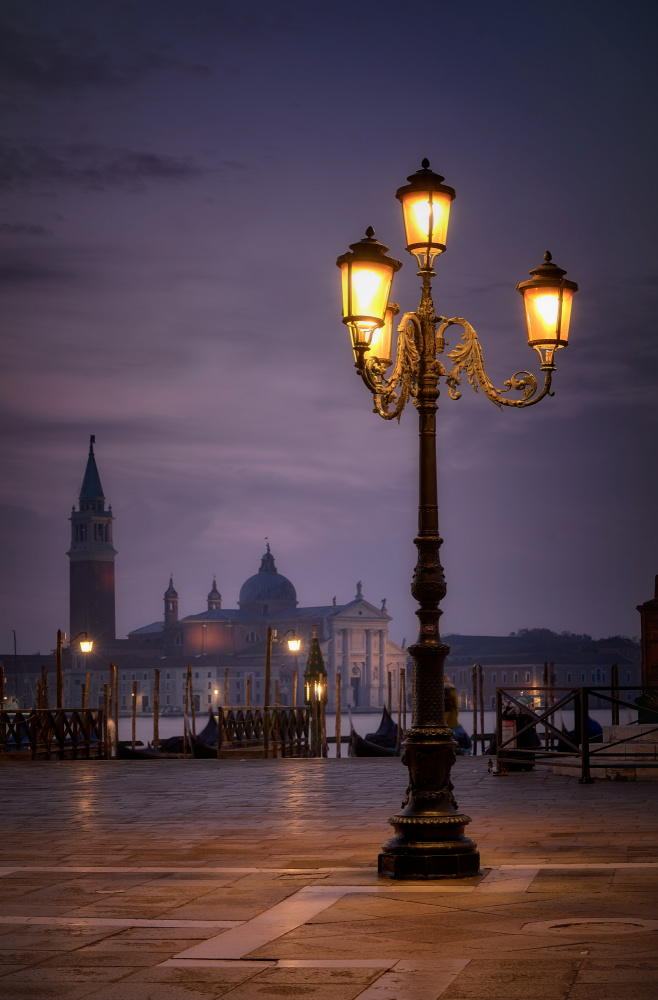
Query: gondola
[(387, 732), (205, 744), (364, 748), (382, 743)]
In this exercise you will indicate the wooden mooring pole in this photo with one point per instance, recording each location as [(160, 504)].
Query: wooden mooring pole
[(390, 695), (338, 678), (475, 708), (295, 679), (85, 696), (399, 737), (134, 713), (481, 681), (156, 710), (226, 702), (403, 682)]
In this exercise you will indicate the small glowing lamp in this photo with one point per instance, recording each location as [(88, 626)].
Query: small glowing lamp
[(86, 645), (367, 275), (294, 644), (425, 204), (547, 300)]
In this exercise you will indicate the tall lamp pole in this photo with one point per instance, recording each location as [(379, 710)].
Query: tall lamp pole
[(86, 645), (293, 645), (429, 839)]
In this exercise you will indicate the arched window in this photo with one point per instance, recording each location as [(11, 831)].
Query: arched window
[(252, 637), (179, 639)]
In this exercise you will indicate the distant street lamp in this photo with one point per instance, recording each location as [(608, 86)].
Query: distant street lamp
[(86, 646), (429, 836), (294, 645)]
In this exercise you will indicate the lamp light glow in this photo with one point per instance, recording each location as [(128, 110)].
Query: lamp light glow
[(547, 300), (367, 275), (86, 645), (425, 204)]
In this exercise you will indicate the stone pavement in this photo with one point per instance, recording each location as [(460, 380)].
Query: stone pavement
[(125, 880)]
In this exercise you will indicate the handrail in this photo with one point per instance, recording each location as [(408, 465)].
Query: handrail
[(51, 732), (581, 701)]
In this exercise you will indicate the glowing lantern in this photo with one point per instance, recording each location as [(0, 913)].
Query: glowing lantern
[(367, 275), (426, 208), (547, 299)]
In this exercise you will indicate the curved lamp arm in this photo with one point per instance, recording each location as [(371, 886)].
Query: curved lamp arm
[(395, 391), (467, 357)]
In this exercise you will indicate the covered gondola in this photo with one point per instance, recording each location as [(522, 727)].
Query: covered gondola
[(382, 743)]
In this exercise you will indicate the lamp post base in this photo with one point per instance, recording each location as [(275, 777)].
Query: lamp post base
[(429, 840), (416, 863)]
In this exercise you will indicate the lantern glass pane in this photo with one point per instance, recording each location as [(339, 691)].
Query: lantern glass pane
[(294, 645), (370, 287), (426, 216), (380, 345), (548, 311)]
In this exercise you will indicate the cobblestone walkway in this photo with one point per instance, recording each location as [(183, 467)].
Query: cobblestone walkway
[(124, 880)]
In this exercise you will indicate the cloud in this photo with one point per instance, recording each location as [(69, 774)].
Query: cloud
[(24, 229), (45, 63), (91, 167)]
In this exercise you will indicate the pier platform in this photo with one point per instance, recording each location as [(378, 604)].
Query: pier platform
[(257, 880)]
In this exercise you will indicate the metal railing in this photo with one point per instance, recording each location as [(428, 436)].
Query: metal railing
[(52, 733), (580, 745)]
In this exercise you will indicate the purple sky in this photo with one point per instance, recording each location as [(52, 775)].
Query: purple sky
[(176, 182)]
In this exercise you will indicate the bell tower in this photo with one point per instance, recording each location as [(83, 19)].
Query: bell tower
[(91, 560)]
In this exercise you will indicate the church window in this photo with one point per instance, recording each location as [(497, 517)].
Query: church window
[(209, 674), (252, 637), (527, 676), (493, 679), (168, 676), (168, 686), (569, 678), (628, 678), (168, 699), (145, 677), (504, 678), (196, 676), (582, 677), (133, 677), (516, 678), (124, 687), (179, 638)]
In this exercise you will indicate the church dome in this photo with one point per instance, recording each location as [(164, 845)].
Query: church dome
[(267, 588)]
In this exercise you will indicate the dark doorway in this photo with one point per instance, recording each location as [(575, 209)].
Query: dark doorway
[(356, 684)]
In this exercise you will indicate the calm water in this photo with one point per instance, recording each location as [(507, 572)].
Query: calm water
[(362, 723)]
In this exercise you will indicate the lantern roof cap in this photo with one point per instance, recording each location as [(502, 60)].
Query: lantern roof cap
[(548, 273), (369, 249), (425, 180)]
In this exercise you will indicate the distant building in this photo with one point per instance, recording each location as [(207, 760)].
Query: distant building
[(518, 661), (353, 636)]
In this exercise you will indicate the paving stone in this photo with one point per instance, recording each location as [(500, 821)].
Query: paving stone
[(314, 816)]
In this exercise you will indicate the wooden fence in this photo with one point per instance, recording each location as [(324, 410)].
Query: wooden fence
[(244, 729), (45, 734)]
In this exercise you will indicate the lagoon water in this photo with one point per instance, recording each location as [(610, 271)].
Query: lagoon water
[(363, 723)]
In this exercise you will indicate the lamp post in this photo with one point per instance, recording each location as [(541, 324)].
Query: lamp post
[(293, 645), (86, 646), (429, 840)]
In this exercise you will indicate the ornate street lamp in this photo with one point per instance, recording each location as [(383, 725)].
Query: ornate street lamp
[(294, 645), (429, 840), (86, 645)]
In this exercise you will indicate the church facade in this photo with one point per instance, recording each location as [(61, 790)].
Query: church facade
[(353, 636)]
